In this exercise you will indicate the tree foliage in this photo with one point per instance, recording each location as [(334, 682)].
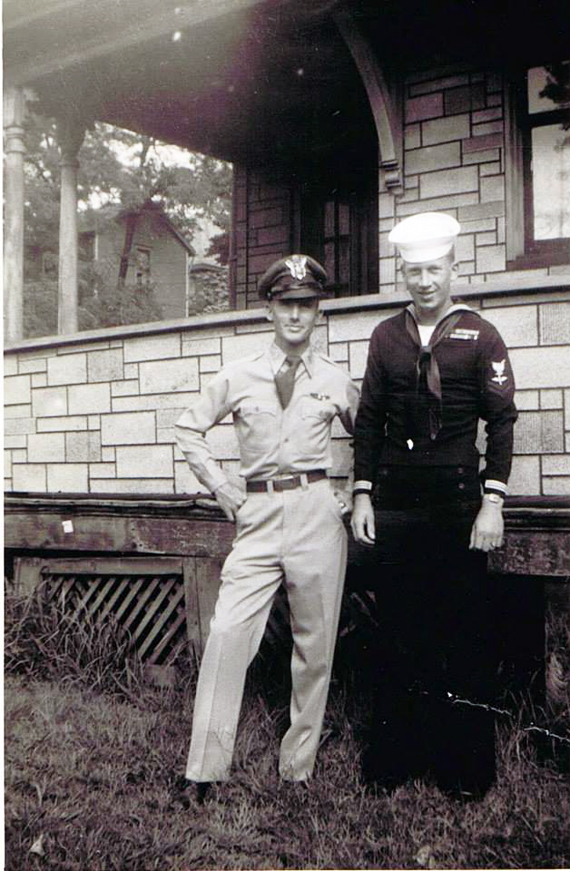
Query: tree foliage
[(125, 168), (117, 167)]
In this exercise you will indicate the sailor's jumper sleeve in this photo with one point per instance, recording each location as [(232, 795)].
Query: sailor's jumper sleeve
[(209, 409), (497, 408)]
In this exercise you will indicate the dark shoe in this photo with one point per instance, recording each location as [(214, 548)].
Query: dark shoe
[(202, 790)]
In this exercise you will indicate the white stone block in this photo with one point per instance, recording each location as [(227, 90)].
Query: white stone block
[(555, 323), (17, 389), (108, 454), (446, 129), (339, 352), (125, 388), (556, 486), (105, 365), (83, 447), (94, 421), (19, 425), (159, 347), (49, 401), (169, 376), (128, 428), (165, 436), (46, 448), (557, 464), (62, 424), (131, 370), (491, 258), (39, 379), (358, 352), (551, 399), (210, 363), (15, 441), (148, 461), (19, 456), (517, 325), (29, 478), (354, 326), (541, 367), (134, 486), (168, 416), (90, 399), (524, 479), (154, 401), (70, 369), (11, 411), (67, 478), (102, 470), (35, 364), (527, 400), (7, 464), (193, 347), (185, 481), (449, 181), (10, 365)]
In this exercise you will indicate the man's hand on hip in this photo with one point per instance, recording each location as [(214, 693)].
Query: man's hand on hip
[(230, 498), (487, 531), (362, 522)]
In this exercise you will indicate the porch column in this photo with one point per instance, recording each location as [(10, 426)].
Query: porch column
[(70, 136), (14, 214)]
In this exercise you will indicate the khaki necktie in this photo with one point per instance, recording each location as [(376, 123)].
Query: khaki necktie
[(285, 380)]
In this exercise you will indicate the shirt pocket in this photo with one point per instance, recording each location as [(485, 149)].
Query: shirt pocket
[(310, 407), (258, 422)]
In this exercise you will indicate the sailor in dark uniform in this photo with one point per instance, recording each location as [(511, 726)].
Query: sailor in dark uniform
[(433, 372)]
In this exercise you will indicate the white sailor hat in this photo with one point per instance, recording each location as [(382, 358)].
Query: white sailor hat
[(424, 237)]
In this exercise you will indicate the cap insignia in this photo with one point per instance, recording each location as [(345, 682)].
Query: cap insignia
[(297, 266)]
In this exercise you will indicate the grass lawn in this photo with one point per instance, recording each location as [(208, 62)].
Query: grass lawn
[(89, 777)]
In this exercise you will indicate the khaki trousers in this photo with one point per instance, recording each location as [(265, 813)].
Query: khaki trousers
[(296, 537)]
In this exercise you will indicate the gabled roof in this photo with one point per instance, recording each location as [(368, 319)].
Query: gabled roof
[(96, 219)]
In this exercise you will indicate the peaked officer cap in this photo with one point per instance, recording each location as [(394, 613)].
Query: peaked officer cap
[(424, 237), (297, 276)]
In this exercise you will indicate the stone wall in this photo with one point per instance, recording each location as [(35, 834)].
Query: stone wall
[(454, 128), (96, 413)]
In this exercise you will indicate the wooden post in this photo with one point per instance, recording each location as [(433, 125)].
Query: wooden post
[(71, 131), (14, 214)]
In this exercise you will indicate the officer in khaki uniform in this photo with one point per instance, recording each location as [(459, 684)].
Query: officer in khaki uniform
[(289, 526)]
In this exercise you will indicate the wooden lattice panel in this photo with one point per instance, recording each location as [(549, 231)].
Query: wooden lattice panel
[(146, 597)]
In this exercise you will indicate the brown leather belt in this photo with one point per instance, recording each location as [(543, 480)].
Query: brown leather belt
[(289, 482)]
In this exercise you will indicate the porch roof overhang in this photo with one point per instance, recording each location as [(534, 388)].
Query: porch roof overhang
[(265, 81)]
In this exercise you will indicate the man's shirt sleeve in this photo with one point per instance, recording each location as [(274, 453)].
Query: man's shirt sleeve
[(371, 418), (497, 409), (347, 414), (209, 409)]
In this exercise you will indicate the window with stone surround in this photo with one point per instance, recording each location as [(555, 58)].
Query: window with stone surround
[(538, 168)]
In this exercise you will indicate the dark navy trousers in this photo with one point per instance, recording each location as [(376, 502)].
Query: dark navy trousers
[(433, 657)]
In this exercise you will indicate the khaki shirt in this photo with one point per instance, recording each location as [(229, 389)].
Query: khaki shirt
[(272, 441)]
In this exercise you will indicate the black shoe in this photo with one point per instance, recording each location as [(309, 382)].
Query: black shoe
[(179, 792), (202, 790)]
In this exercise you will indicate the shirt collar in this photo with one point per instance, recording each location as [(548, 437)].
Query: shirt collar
[(277, 358), (456, 307)]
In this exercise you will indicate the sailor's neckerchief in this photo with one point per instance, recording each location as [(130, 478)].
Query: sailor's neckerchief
[(428, 380)]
